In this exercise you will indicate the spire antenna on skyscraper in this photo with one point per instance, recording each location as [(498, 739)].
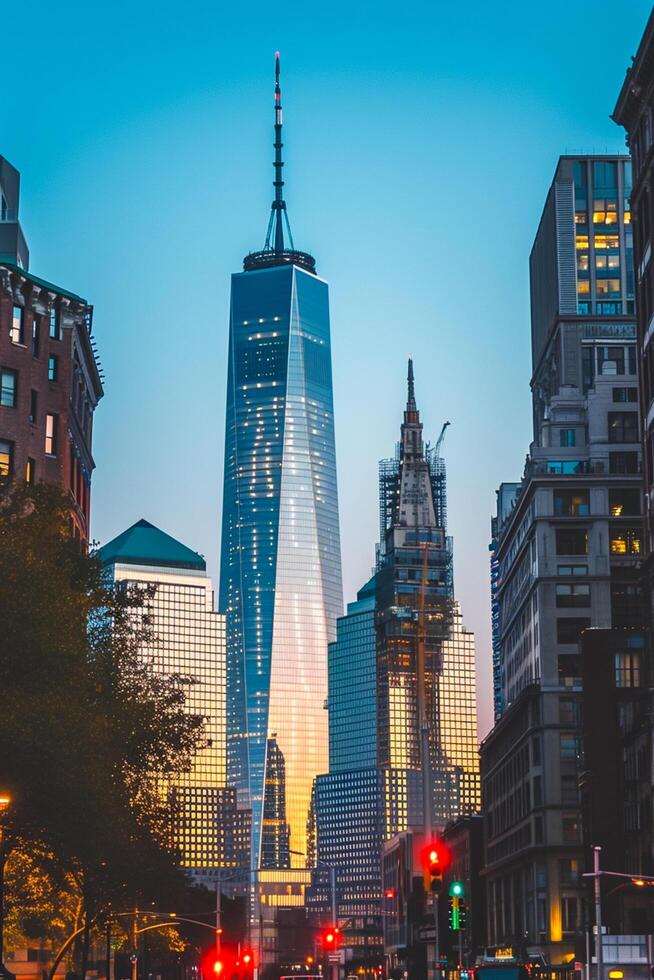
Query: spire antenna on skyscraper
[(411, 397), (278, 248)]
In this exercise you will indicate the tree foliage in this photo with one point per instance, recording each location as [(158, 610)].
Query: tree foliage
[(90, 730)]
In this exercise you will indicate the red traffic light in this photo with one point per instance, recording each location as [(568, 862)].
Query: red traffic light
[(330, 937), (247, 957), (217, 967), (389, 893), (436, 857)]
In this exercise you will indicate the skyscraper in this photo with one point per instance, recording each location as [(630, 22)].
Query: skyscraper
[(280, 575), (401, 684), (567, 549), (188, 640)]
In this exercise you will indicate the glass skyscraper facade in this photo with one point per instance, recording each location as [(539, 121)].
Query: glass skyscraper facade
[(280, 575), (188, 639)]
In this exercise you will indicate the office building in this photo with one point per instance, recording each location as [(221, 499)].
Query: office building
[(188, 639), (50, 378), (280, 575), (634, 111), (566, 553), (402, 664)]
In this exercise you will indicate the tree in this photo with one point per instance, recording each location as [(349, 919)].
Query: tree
[(90, 731)]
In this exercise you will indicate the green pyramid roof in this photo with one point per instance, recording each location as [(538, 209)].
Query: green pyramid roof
[(145, 544)]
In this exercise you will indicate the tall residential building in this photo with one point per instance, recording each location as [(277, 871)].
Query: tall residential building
[(506, 497), (188, 638), (567, 552), (402, 664), (280, 576), (50, 378)]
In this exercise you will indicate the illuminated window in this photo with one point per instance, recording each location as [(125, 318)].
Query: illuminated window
[(53, 367), (17, 329), (582, 243), (625, 541), (583, 287), (606, 241), (8, 388), (29, 471), (571, 503), (607, 261), (6, 457), (627, 669), (581, 217), (51, 434), (608, 287), (582, 261)]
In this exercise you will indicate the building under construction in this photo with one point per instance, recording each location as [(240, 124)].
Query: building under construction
[(402, 706)]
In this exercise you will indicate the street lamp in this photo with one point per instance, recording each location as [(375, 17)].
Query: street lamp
[(5, 803)]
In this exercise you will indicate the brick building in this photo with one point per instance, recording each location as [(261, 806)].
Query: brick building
[(50, 379)]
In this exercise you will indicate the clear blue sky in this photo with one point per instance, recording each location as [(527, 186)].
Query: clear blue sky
[(421, 139)]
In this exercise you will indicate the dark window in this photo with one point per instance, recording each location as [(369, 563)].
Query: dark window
[(572, 570), (569, 712), (626, 604), (567, 437), (571, 503), (568, 630), (6, 457), (34, 405), (625, 394), (571, 541), (29, 471), (624, 502), (571, 828), (36, 337), (569, 913), (623, 462), (569, 668), (568, 868), (568, 745), (573, 596), (53, 367), (535, 751), (623, 426), (17, 329), (8, 383), (55, 327)]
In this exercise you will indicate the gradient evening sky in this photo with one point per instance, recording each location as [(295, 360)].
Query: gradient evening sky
[(420, 141)]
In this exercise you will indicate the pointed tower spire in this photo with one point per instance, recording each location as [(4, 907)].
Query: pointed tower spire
[(279, 248), (411, 399)]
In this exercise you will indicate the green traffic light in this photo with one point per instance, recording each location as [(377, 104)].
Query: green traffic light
[(456, 889)]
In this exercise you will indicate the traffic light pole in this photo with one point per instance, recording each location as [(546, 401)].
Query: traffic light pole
[(332, 881)]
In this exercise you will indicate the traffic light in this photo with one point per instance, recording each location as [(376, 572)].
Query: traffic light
[(463, 913), (456, 892), (247, 963), (330, 938), (436, 860), (217, 967)]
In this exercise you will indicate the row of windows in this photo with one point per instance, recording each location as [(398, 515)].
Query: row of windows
[(9, 384), (17, 327), (622, 541), (7, 450), (623, 502)]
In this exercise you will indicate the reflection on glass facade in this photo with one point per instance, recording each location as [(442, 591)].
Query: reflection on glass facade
[(353, 687), (188, 638), (280, 582)]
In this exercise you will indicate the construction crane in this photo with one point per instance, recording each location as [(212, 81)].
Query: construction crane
[(439, 441)]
